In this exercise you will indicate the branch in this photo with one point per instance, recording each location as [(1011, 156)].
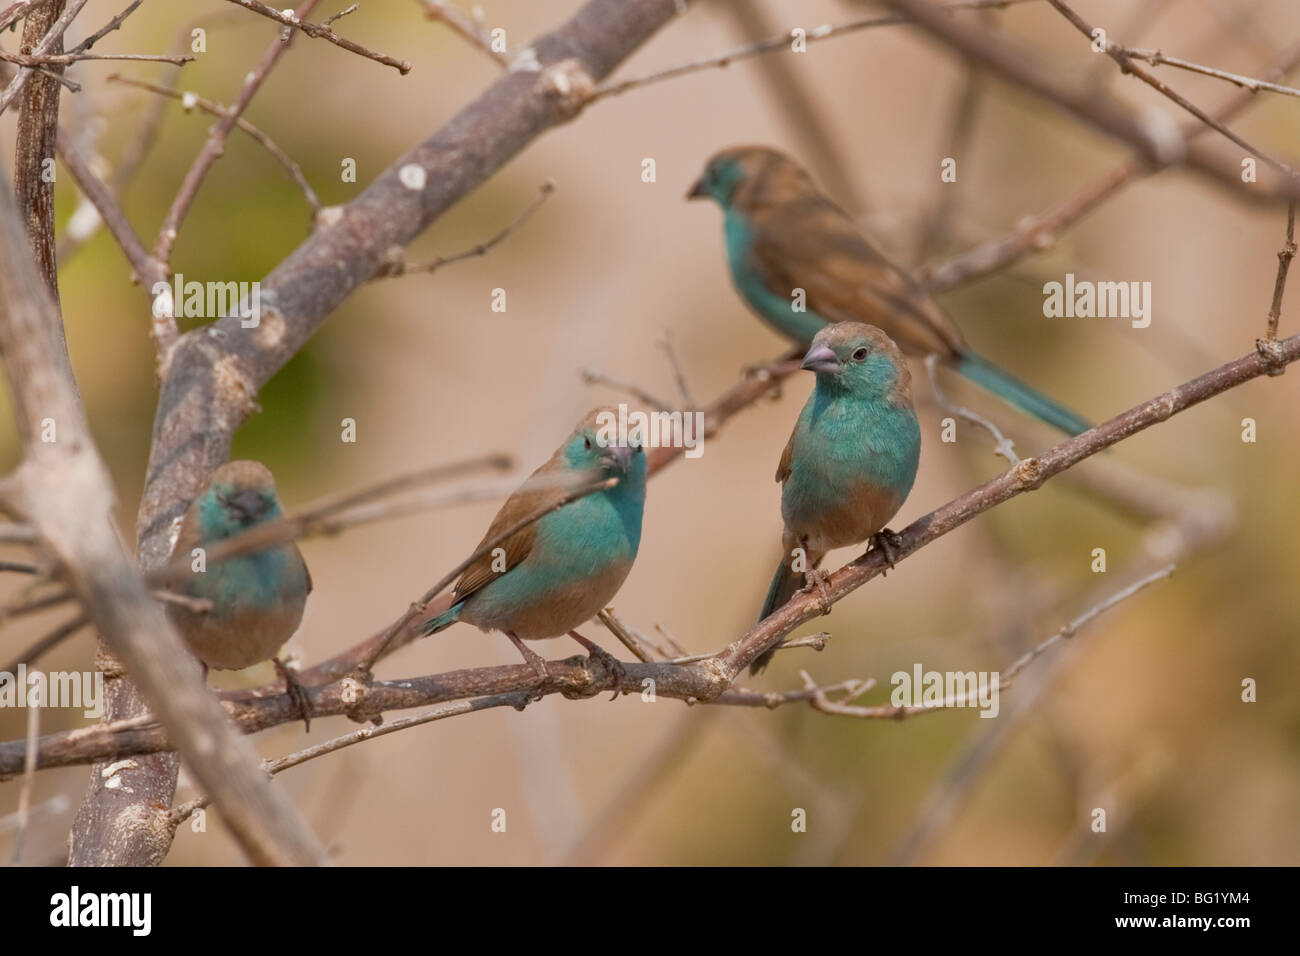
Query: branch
[(213, 148), (1155, 136), (1040, 232), (189, 100), (1002, 444), (51, 42), (38, 122), (465, 25), (1283, 265), (397, 265), (1120, 54), (706, 680), (63, 489), (212, 377), (782, 42), (319, 31), (1156, 58)]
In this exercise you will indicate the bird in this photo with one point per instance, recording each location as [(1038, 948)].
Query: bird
[(850, 461), (253, 603), (551, 576), (783, 234)]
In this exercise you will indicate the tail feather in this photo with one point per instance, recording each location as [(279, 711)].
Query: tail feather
[(443, 621), (1011, 389), (784, 584)]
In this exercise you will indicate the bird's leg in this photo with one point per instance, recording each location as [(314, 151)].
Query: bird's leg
[(815, 578), (297, 693), (612, 663), (533, 658), (887, 542)]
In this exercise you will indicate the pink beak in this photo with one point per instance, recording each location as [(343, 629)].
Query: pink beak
[(821, 358)]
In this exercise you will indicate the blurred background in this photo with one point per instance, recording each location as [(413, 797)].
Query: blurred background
[(1143, 718)]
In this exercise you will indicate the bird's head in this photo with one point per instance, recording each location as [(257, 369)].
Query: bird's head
[(596, 446), (857, 357), (239, 495), (747, 177)]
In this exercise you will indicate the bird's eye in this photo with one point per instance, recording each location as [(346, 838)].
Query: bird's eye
[(859, 354), (587, 443)]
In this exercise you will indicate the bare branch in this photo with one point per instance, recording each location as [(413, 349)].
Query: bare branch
[(705, 680), (1002, 444), (189, 100), (396, 265), (63, 489), (465, 25), (1283, 265), (1120, 55), (51, 42), (782, 42), (319, 31), (1156, 58), (1156, 136), (213, 148)]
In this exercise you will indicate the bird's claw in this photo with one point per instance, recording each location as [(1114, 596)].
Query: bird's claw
[(887, 542), (815, 579), (297, 693), (608, 660)]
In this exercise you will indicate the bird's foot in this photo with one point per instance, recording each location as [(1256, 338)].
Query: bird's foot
[(815, 579), (297, 693), (533, 658), (887, 542), (612, 663)]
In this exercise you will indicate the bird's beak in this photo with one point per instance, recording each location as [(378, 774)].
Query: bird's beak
[(699, 190), (248, 503), (821, 358), (617, 457)]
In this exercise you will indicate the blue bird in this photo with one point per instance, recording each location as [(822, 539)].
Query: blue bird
[(255, 601), (851, 459), (783, 234), (553, 575)]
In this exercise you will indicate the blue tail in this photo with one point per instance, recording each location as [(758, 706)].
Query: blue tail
[(443, 621), (784, 583), (1003, 385)]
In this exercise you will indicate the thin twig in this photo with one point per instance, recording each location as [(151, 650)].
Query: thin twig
[(468, 27), (213, 147), (1038, 233), (322, 516), (1283, 265), (319, 31), (189, 100), (1156, 58), (1001, 443), (184, 811), (1120, 54), (782, 42), (48, 43), (397, 266), (44, 644), (592, 377)]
